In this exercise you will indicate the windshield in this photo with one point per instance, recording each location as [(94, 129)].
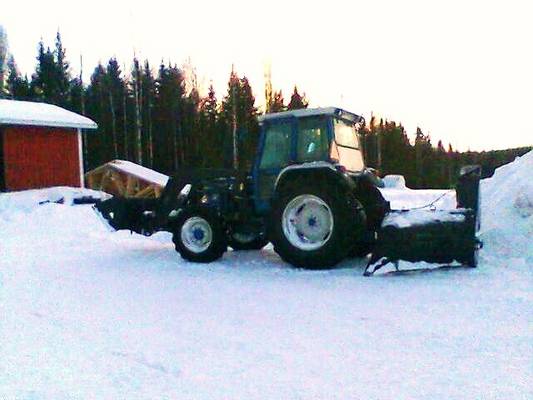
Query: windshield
[(346, 134)]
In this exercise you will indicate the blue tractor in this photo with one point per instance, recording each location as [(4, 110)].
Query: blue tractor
[(309, 194)]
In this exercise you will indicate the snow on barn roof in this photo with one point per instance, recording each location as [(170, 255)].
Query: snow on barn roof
[(14, 112), (309, 112), (146, 174)]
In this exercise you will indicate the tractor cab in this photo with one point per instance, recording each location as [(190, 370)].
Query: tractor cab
[(304, 138)]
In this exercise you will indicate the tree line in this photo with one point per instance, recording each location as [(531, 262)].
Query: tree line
[(157, 117), (387, 148)]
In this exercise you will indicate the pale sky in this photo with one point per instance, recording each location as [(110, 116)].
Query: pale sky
[(461, 70)]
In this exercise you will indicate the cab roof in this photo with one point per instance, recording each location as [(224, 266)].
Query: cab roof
[(311, 112)]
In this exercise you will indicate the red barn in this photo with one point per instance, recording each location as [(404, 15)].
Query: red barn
[(40, 146)]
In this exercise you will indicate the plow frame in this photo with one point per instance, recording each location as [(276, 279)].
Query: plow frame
[(447, 236)]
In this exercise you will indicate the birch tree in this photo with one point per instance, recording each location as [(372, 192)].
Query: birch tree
[(137, 94), (3, 59)]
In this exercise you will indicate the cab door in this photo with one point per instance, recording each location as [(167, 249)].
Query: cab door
[(275, 153)]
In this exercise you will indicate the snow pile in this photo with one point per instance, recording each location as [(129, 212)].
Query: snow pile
[(404, 199), (28, 216), (410, 218), (507, 209), (26, 201), (394, 181)]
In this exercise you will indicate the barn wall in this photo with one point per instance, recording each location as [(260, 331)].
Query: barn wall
[(37, 157), (2, 182)]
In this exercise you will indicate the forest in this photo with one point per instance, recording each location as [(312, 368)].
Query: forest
[(158, 117)]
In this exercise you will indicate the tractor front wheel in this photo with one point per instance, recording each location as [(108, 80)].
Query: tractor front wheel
[(199, 235)]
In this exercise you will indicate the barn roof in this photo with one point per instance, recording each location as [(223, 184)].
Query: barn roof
[(14, 112)]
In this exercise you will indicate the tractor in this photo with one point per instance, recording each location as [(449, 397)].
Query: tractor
[(308, 193)]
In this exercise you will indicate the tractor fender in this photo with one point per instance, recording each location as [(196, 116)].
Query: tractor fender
[(362, 186), (313, 170)]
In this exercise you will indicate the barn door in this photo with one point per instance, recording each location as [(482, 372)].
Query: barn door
[(2, 176)]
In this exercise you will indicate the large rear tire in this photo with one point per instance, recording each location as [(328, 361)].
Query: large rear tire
[(315, 226), (199, 235)]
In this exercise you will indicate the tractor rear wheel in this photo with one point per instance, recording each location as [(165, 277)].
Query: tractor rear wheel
[(199, 235), (316, 226)]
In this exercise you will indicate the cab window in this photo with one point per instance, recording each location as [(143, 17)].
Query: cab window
[(346, 134), (312, 143), (277, 149)]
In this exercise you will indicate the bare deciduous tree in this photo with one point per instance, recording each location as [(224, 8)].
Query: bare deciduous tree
[(3, 58)]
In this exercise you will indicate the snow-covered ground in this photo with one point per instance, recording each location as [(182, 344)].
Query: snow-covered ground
[(90, 314)]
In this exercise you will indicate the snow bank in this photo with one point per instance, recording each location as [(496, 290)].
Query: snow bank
[(394, 181), (402, 199), (27, 200), (507, 209)]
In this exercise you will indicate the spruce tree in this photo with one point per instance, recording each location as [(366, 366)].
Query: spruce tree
[(114, 87), (395, 148), (424, 160), (18, 88), (248, 126), (230, 121), (211, 141), (149, 91), (62, 74), (297, 101), (278, 103), (191, 122), (239, 122), (43, 82), (99, 145), (51, 80), (76, 95), (168, 107)]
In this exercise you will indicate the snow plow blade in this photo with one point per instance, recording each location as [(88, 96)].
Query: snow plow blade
[(434, 236)]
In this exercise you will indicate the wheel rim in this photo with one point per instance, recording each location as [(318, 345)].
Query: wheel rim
[(307, 222), (196, 234)]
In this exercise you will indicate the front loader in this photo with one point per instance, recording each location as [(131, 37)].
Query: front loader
[(308, 193)]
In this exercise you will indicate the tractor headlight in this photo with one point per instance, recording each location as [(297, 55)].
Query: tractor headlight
[(210, 198)]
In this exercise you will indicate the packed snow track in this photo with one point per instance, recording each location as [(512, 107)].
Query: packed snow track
[(86, 313)]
